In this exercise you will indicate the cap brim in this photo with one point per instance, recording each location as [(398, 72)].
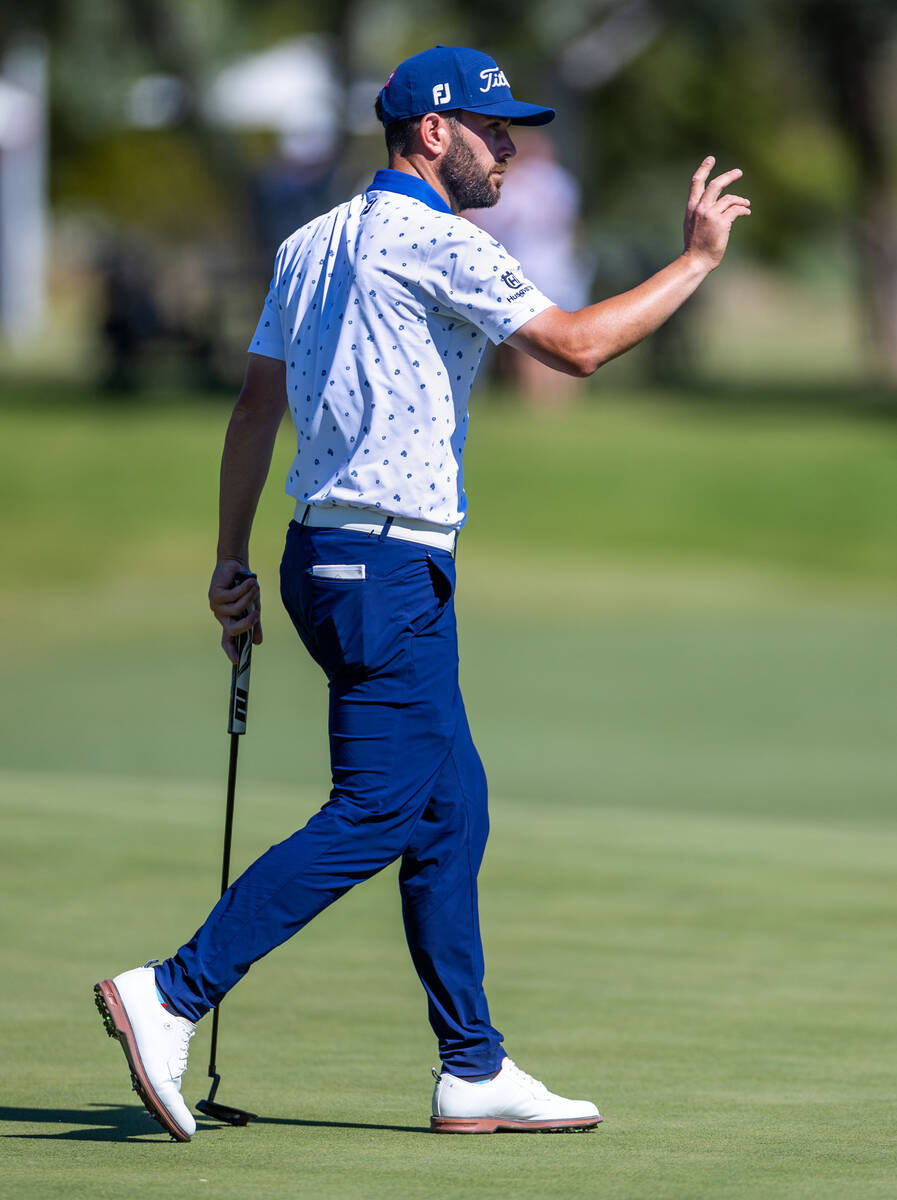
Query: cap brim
[(516, 112)]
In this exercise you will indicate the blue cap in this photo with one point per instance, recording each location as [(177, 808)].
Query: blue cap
[(448, 77)]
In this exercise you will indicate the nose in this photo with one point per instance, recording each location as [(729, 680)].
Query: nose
[(507, 148)]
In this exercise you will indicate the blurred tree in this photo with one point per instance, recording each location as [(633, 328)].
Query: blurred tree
[(851, 46), (799, 92), (160, 26)]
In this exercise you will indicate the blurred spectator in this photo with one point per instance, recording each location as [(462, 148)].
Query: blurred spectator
[(295, 188), (536, 220), (128, 317), (167, 316)]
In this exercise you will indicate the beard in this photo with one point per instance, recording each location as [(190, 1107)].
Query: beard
[(468, 184)]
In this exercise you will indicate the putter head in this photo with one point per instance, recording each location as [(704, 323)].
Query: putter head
[(223, 1112)]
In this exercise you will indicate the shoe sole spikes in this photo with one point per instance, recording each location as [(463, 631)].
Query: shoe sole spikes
[(118, 1026)]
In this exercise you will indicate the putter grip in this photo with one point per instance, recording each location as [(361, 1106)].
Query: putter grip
[(239, 680)]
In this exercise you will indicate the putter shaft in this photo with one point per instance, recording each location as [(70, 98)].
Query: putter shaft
[(236, 727)]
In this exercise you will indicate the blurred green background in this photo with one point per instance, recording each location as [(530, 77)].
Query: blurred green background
[(676, 597)]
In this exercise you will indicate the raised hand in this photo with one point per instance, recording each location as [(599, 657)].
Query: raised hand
[(711, 212)]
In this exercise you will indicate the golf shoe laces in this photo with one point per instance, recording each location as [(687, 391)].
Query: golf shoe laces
[(536, 1087), (182, 1027)]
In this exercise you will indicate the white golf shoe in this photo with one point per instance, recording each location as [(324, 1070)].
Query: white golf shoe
[(155, 1042), (511, 1102)]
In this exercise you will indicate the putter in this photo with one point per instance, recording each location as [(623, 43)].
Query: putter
[(236, 726)]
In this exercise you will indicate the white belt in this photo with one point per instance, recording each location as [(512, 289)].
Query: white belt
[(406, 529)]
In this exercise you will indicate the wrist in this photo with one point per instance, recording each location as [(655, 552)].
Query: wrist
[(699, 263)]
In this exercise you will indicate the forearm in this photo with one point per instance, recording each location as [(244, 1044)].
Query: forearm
[(580, 342), (248, 447), (613, 326)]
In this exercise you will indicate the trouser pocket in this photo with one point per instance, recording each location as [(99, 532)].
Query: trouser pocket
[(333, 620), (357, 604)]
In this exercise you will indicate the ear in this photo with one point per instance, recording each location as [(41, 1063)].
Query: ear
[(434, 134)]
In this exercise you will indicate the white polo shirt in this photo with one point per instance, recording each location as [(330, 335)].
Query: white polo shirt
[(381, 309)]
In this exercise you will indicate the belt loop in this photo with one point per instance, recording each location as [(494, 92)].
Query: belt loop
[(384, 532), (305, 514)]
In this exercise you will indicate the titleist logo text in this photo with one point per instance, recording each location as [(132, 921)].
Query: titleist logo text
[(493, 77)]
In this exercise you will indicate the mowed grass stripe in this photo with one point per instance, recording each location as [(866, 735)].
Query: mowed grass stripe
[(780, 713), (721, 985), (619, 477), (678, 654)]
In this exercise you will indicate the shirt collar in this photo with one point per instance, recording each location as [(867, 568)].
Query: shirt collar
[(389, 180)]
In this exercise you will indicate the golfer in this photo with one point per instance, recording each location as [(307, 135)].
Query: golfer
[(371, 335)]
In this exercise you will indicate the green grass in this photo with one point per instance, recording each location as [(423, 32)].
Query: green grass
[(719, 984), (117, 491), (678, 647)]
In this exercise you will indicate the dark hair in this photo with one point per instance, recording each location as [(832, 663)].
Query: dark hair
[(400, 134)]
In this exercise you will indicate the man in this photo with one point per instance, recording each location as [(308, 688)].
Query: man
[(371, 334)]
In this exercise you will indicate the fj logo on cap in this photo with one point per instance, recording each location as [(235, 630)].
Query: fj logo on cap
[(493, 77), (442, 93)]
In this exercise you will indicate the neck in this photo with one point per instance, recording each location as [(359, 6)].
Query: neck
[(423, 168)]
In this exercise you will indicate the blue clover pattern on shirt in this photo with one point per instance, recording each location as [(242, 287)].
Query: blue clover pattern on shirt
[(381, 309)]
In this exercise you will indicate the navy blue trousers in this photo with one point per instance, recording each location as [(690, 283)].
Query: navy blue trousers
[(407, 784)]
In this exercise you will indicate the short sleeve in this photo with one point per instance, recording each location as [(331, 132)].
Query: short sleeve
[(268, 336), (471, 273)]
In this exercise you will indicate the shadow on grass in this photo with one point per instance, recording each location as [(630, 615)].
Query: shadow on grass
[(116, 1122), (336, 1125), (121, 1122)]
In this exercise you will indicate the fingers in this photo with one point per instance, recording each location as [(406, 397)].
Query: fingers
[(224, 595), (701, 191), (730, 208), (735, 211), (230, 649), (231, 631), (699, 181), (724, 201), (234, 626), (719, 184), (235, 607), (711, 214), (228, 603)]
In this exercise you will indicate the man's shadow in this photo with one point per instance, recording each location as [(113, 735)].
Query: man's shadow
[(108, 1123), (130, 1123)]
